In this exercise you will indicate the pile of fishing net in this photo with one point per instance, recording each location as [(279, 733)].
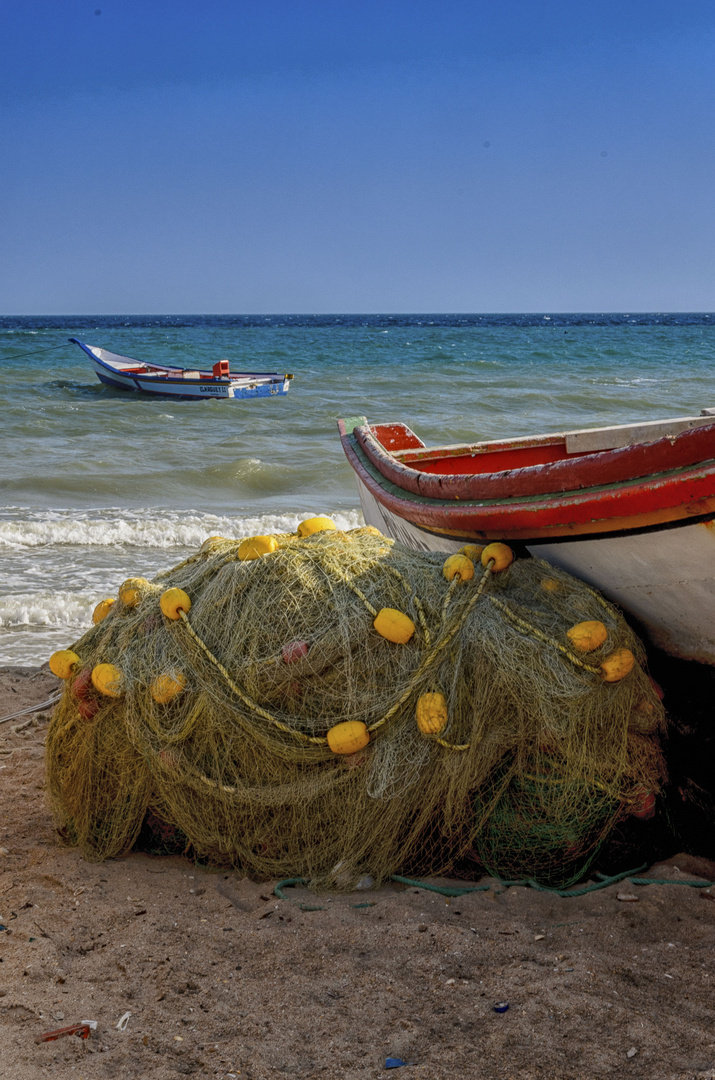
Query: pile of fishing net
[(332, 705)]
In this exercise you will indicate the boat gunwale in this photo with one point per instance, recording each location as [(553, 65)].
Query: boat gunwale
[(584, 471), (680, 494)]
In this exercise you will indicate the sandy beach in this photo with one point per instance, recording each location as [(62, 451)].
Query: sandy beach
[(215, 975)]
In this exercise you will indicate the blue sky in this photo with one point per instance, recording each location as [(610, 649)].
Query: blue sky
[(275, 156)]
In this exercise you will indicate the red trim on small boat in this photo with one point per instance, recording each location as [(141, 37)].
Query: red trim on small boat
[(678, 494), (467, 477)]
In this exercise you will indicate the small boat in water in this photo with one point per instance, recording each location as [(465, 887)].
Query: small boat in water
[(126, 374), (629, 509)]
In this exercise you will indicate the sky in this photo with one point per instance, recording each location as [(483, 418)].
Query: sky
[(316, 156)]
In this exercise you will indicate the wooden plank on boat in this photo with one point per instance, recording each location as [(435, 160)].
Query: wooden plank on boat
[(609, 438)]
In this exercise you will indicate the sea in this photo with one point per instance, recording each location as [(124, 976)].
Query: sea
[(97, 485)]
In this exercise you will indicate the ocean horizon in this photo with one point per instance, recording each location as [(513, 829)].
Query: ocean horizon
[(61, 320)]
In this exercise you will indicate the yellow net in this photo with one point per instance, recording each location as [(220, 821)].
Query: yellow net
[(270, 720)]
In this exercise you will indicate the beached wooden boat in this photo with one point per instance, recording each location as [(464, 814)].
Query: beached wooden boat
[(630, 509), (175, 382)]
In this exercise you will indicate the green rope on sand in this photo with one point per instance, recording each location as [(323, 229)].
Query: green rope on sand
[(278, 891), (455, 890), (669, 881), (603, 883), (443, 890)]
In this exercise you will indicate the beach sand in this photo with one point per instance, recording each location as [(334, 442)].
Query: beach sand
[(221, 978)]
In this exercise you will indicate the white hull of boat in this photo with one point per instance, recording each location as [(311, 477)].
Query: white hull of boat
[(124, 373), (124, 382), (664, 577), (187, 389)]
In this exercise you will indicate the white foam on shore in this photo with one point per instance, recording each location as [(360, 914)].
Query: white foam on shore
[(146, 528), (61, 609)]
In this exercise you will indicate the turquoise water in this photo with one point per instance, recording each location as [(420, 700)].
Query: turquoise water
[(100, 484)]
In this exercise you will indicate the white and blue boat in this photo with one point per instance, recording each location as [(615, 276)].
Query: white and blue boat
[(175, 382)]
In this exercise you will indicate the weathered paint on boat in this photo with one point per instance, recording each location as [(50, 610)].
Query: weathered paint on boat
[(645, 540)]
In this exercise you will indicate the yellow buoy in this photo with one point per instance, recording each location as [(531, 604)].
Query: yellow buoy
[(619, 664), (173, 602), (132, 590), (108, 680), (212, 542), (62, 663), (165, 687), (348, 737), (500, 554), (458, 566), (394, 625), (549, 584), (314, 525), (431, 713), (102, 610), (472, 551), (586, 636), (255, 546)]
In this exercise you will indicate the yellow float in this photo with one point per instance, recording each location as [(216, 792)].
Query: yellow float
[(108, 679), (173, 602), (500, 555), (587, 636), (212, 542), (102, 609), (314, 525), (63, 662), (132, 590), (165, 687), (348, 737), (431, 713), (458, 566), (394, 625), (617, 665), (253, 547)]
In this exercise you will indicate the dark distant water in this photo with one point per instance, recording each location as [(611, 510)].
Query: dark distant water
[(111, 322), (97, 485)]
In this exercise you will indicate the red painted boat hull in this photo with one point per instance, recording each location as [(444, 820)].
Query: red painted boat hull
[(636, 520)]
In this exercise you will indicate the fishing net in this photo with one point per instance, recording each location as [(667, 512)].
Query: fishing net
[(219, 724)]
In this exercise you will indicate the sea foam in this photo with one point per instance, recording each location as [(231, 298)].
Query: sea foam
[(146, 528)]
